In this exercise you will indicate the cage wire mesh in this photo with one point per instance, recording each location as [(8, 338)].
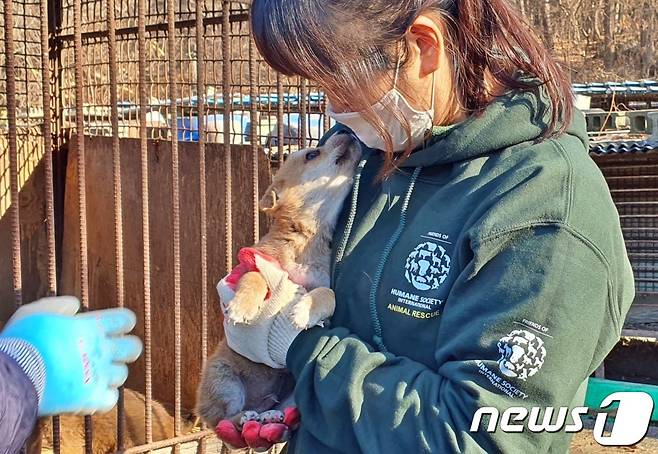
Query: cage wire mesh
[(183, 73), (179, 72), (27, 95), (633, 182), (277, 99)]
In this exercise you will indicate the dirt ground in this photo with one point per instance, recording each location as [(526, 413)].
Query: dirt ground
[(584, 443)]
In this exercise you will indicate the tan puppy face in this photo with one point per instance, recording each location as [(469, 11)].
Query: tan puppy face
[(315, 181)]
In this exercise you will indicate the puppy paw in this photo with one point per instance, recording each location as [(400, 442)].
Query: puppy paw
[(271, 416), (316, 305), (323, 306), (241, 418), (300, 315), (242, 312), (249, 298)]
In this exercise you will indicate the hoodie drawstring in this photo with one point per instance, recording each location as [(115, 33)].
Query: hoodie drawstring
[(374, 316), (350, 220), (378, 339)]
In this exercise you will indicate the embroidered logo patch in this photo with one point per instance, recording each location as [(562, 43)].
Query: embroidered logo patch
[(522, 354), (427, 266)]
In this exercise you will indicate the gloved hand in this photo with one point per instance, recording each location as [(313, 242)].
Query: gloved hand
[(76, 362), (258, 431), (288, 311)]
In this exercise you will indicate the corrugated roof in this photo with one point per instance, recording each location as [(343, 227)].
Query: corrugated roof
[(629, 87), (623, 147)]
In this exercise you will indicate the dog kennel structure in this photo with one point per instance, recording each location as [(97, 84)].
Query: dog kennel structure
[(134, 138)]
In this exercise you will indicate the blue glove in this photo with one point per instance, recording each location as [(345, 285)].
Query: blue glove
[(76, 362)]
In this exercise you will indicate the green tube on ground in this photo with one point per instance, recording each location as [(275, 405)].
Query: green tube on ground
[(599, 388)]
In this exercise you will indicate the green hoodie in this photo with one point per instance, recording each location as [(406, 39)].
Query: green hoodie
[(489, 270)]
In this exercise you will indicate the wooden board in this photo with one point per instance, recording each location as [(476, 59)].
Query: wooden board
[(101, 245)]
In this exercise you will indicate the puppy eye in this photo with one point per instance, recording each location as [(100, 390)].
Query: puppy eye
[(311, 155)]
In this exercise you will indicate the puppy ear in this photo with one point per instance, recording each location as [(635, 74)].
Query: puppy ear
[(269, 200)]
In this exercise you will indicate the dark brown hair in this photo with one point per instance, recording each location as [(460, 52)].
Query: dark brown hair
[(345, 45)]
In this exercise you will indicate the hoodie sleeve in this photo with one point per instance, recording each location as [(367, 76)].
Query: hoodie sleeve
[(18, 405), (532, 314)]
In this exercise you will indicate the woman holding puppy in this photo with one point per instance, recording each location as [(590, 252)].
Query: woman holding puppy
[(480, 260)]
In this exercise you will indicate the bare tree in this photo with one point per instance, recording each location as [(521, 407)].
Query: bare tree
[(608, 44), (547, 23), (598, 39)]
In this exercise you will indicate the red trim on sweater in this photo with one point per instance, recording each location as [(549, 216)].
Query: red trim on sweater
[(247, 263)]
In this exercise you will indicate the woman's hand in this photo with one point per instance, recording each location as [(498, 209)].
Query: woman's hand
[(267, 339), (75, 361), (258, 431)]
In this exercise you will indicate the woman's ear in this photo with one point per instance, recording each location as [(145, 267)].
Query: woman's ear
[(426, 38)]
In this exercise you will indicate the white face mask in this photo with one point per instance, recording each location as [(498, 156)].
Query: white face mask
[(420, 122)]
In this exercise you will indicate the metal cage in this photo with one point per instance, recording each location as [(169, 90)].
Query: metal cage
[(115, 117), (134, 138)]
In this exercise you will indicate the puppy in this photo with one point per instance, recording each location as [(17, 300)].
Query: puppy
[(303, 203), (72, 428)]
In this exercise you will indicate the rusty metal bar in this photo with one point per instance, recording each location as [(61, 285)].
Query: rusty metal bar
[(303, 111), (279, 114), (48, 150), (150, 28), (116, 154), (82, 196), (146, 238), (172, 61), (201, 121), (201, 447), (49, 183), (253, 114), (10, 63), (326, 122), (169, 442), (118, 208), (80, 148), (24, 69), (57, 88), (227, 98)]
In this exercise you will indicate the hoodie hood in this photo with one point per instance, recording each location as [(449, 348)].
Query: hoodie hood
[(511, 119), (514, 118)]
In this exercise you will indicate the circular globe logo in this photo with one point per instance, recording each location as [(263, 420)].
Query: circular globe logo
[(427, 266), (522, 354)]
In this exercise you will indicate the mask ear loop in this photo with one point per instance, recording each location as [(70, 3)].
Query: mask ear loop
[(397, 68), (433, 90), (397, 71), (428, 132)]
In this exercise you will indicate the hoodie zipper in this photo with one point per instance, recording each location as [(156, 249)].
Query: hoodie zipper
[(378, 338), (350, 221), (374, 315)]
